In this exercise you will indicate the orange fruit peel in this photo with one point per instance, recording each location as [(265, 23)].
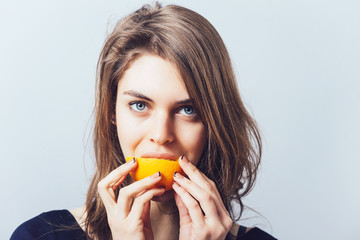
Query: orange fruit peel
[(149, 166)]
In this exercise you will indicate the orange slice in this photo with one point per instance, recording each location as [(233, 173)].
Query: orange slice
[(149, 166)]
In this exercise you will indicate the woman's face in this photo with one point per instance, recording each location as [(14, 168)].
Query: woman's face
[(155, 117)]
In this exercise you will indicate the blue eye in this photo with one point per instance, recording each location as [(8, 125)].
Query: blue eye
[(188, 110), (138, 106)]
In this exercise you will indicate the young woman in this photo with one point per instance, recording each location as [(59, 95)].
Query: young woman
[(165, 89)]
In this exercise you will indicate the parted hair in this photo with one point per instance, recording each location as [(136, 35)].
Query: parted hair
[(186, 39)]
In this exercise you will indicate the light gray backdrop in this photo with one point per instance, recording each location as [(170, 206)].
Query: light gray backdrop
[(298, 67)]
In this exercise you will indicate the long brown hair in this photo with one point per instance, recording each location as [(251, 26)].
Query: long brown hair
[(186, 39)]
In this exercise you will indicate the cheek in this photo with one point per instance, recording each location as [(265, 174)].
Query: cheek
[(128, 135), (195, 140)]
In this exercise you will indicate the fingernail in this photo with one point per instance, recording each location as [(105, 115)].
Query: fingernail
[(178, 175), (183, 158), (156, 175), (132, 161)]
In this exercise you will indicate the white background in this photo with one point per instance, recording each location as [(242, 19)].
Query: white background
[(298, 67)]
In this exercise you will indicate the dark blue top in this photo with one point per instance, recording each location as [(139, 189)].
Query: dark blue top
[(61, 225)]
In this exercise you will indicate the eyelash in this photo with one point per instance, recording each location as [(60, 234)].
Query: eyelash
[(133, 104), (188, 106)]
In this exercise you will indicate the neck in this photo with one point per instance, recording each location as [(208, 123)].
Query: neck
[(164, 214)]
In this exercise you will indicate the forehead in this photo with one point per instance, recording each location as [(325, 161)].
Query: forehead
[(152, 75)]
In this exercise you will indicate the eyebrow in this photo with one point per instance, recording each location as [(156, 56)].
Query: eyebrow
[(142, 96), (137, 95)]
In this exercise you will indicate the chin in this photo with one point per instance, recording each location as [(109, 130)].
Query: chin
[(167, 196)]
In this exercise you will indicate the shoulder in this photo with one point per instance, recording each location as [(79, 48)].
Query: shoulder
[(256, 233), (55, 224), (238, 232), (80, 216)]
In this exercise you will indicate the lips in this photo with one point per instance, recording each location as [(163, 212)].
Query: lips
[(168, 156)]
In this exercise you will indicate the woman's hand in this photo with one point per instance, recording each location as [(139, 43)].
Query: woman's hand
[(201, 210), (128, 215)]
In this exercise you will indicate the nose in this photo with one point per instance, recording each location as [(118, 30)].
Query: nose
[(161, 129)]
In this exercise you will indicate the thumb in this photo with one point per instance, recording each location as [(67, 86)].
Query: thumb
[(145, 216), (183, 211)]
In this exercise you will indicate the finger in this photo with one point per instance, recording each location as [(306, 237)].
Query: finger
[(126, 194), (117, 184), (211, 188), (113, 177), (205, 199), (140, 201), (190, 203), (199, 178), (116, 177), (192, 172), (183, 212)]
